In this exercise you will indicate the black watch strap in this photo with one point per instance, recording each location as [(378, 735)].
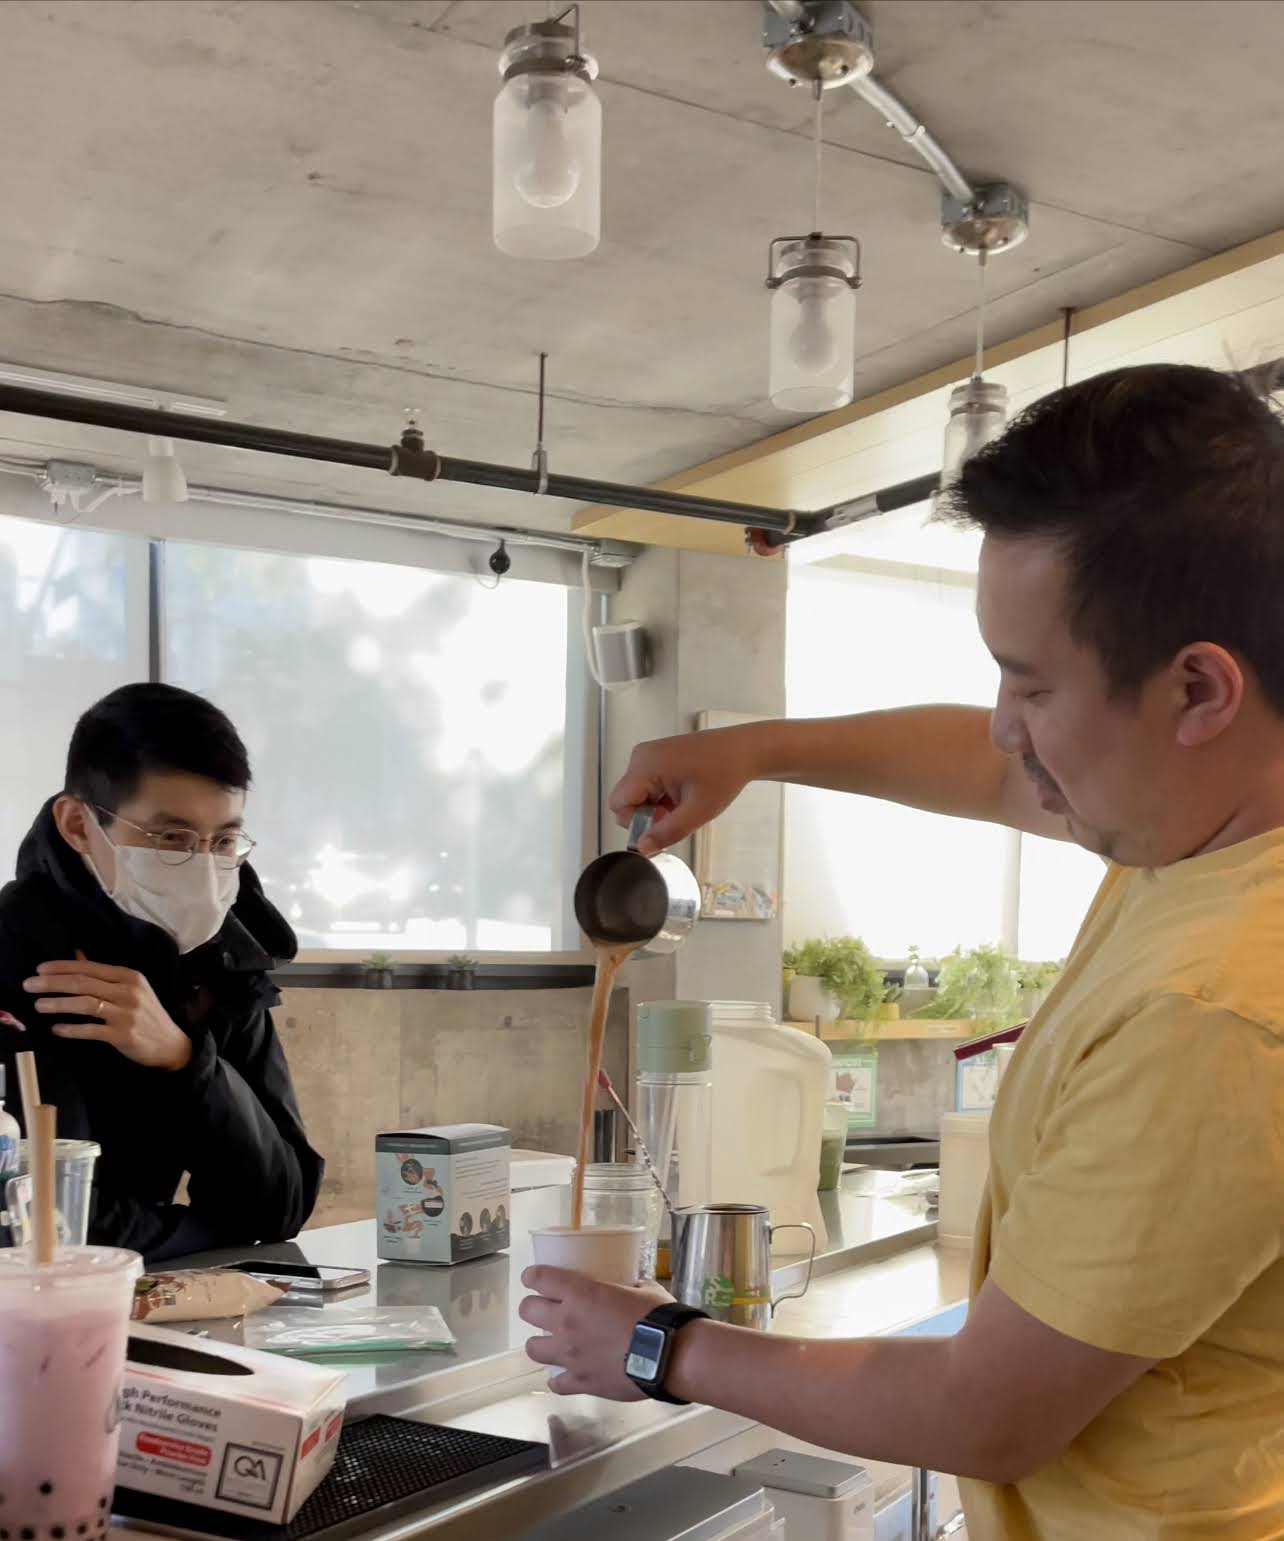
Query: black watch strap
[(668, 1319)]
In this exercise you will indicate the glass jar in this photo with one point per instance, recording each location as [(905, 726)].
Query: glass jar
[(624, 1193)]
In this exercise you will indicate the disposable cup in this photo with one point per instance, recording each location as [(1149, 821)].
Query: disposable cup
[(611, 1254), (63, 1327), (74, 1162)]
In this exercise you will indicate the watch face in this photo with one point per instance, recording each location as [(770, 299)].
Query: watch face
[(645, 1352)]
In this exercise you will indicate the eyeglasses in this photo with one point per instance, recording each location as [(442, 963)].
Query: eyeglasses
[(176, 846)]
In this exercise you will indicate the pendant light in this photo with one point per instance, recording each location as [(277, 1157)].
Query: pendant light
[(979, 407), (813, 281), (547, 143)]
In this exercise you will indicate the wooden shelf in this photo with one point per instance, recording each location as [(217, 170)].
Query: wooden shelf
[(899, 1030)]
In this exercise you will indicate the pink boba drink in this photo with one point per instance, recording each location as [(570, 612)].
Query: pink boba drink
[(63, 1327)]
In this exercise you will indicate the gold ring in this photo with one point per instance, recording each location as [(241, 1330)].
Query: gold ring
[(100, 1010)]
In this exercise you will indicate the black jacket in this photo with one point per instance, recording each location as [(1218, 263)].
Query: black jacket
[(229, 1119)]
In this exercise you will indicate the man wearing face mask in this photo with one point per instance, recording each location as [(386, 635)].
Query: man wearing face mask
[(135, 950)]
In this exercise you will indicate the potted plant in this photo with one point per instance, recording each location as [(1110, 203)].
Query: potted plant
[(1036, 980), (834, 977), (889, 1008), (916, 975), (982, 985), (379, 971), (461, 971)]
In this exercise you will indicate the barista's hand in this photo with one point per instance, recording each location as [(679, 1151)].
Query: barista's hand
[(128, 1015), (693, 778), (590, 1327)]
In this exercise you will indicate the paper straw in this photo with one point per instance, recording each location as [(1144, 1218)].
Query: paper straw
[(29, 1085), (40, 1143)]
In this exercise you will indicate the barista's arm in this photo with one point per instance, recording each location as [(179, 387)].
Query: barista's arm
[(998, 1401), (938, 758)]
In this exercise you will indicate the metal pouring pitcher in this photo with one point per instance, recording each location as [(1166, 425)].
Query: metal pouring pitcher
[(722, 1262), (652, 901)]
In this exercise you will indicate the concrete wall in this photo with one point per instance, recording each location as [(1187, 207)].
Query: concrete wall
[(365, 1061), (717, 627)]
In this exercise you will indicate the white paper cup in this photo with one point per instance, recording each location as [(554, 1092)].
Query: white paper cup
[(611, 1254)]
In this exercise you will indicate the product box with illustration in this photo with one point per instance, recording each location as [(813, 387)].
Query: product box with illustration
[(225, 1427), (443, 1194)]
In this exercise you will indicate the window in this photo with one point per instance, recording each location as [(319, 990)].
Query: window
[(73, 626), (420, 741), (894, 876), (861, 639), (417, 741)]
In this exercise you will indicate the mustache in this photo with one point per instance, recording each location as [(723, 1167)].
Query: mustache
[(1038, 775)]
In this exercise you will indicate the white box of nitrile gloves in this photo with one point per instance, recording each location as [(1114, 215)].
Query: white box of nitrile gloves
[(443, 1194)]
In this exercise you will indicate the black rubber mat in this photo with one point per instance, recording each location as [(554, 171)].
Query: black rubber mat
[(384, 1468)]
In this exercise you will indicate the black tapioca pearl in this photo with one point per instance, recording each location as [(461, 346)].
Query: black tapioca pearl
[(57, 1532), (46, 1488), (27, 1534), (81, 1530)]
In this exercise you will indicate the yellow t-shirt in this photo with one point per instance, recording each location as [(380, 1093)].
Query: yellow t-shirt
[(1136, 1202)]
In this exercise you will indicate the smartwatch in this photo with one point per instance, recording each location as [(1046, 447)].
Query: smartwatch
[(647, 1361)]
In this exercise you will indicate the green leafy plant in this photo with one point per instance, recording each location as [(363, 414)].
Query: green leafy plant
[(379, 960), (982, 984), (845, 967), (893, 993), (461, 963), (1037, 976)]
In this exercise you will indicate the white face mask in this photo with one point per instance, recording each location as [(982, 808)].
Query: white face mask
[(190, 901)]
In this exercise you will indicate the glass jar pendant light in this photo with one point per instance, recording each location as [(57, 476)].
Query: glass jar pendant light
[(813, 281), (547, 143), (978, 407)]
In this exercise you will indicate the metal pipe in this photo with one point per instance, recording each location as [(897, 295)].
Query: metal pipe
[(794, 11), (884, 501), (398, 460), (916, 135)]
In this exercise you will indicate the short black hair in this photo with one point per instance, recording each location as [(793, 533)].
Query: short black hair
[(1163, 485), (145, 728)]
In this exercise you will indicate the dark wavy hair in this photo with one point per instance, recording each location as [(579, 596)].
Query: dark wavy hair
[(1163, 486)]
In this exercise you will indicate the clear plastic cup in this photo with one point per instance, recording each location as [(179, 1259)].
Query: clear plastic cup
[(611, 1254), (63, 1329), (74, 1162)]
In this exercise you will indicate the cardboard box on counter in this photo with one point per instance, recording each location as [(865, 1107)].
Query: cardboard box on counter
[(225, 1427), (443, 1195)]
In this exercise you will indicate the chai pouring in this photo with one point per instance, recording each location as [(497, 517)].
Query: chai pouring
[(627, 905)]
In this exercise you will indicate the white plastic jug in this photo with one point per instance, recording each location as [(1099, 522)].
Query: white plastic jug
[(770, 1084)]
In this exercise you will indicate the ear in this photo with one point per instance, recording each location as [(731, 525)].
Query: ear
[(1211, 686), (72, 820)]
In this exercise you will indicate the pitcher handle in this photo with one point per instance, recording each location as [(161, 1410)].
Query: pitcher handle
[(640, 823), (797, 1225)]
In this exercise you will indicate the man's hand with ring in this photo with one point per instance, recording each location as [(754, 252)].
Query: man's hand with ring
[(128, 1015)]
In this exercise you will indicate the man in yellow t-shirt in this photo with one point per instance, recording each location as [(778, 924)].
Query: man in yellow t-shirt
[(1121, 1372)]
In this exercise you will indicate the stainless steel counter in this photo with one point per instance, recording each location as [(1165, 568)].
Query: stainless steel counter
[(880, 1273)]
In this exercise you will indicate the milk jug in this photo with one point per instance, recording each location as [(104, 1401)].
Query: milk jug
[(770, 1084)]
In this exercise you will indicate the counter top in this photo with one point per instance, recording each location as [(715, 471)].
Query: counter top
[(880, 1273)]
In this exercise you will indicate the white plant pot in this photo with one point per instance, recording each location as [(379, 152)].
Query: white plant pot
[(809, 999)]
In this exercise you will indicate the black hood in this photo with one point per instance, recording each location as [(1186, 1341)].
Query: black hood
[(255, 937)]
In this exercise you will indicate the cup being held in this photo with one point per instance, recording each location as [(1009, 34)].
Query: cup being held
[(611, 1254)]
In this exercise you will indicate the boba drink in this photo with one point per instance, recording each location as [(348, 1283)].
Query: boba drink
[(63, 1327)]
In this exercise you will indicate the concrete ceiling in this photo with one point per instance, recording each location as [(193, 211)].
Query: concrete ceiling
[(285, 203)]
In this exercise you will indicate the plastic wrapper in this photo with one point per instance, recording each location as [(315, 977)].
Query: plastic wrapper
[(201, 1294), (350, 1330)]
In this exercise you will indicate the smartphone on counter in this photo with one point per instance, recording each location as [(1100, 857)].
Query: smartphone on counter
[(305, 1278)]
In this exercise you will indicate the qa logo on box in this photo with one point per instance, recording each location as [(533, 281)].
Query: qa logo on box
[(249, 1476)]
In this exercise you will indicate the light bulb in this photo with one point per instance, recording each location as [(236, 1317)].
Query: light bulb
[(549, 173), (812, 344)]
